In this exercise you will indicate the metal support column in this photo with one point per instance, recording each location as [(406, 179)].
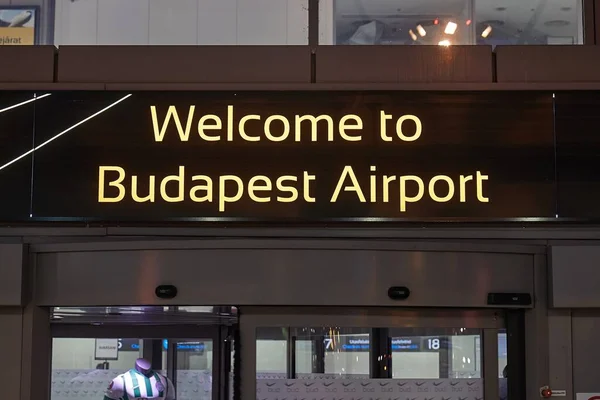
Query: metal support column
[(381, 354), (515, 343), (291, 357), (172, 361), (318, 362)]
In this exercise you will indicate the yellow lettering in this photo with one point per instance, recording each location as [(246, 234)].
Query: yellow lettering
[(116, 183), (463, 187), (355, 187), (152, 190), (307, 179), (313, 121), (383, 118), (418, 130), (223, 198), (480, 179), (202, 126), (404, 198), (286, 128), (283, 188), (259, 183), (387, 179), (243, 133), (230, 123), (159, 134), (207, 187), (178, 179), (345, 124), (434, 195)]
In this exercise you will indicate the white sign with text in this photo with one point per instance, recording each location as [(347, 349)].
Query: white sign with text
[(107, 349)]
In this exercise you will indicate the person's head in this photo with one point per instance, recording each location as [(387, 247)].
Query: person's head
[(505, 372)]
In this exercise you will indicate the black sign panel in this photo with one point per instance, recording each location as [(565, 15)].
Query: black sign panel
[(578, 154), (292, 156), (16, 142)]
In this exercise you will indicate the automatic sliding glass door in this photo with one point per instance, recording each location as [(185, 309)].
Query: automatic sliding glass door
[(194, 358), (420, 355)]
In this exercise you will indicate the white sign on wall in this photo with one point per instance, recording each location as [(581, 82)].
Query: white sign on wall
[(107, 349), (588, 396)]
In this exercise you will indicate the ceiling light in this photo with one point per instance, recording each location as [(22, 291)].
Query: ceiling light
[(421, 30), (486, 32), (444, 42), (468, 22), (436, 21), (450, 28), (557, 23), (412, 35)]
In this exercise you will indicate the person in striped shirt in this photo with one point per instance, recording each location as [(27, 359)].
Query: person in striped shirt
[(140, 383)]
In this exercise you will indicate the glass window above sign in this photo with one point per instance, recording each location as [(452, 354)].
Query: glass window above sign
[(450, 22), (161, 22)]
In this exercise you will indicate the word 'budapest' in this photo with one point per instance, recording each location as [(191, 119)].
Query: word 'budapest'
[(343, 182), (116, 185)]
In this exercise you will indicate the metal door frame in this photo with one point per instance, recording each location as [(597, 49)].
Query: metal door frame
[(490, 321), (173, 333)]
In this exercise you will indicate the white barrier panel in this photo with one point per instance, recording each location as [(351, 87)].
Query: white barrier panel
[(371, 389), (91, 384)]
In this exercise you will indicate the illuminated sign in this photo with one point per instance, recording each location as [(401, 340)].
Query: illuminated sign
[(345, 343), (134, 345), (18, 25), (288, 156)]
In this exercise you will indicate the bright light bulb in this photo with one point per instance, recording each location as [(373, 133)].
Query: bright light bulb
[(450, 28), (421, 30), (486, 32), (412, 35), (444, 43)]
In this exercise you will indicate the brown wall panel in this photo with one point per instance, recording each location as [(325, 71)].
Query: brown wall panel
[(11, 339), (11, 274), (184, 64), (404, 64), (33, 64), (547, 64)]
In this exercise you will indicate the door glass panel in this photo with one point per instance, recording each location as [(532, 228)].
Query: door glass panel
[(271, 350), (420, 363), (331, 352), (503, 364), (83, 368), (194, 368)]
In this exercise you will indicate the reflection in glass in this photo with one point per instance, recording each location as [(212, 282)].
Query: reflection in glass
[(453, 22), (503, 364), (332, 352), (271, 352), (80, 370), (330, 362), (436, 353)]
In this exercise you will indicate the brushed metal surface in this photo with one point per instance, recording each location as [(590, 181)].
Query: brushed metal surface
[(585, 325), (574, 276), (184, 64), (301, 277)]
